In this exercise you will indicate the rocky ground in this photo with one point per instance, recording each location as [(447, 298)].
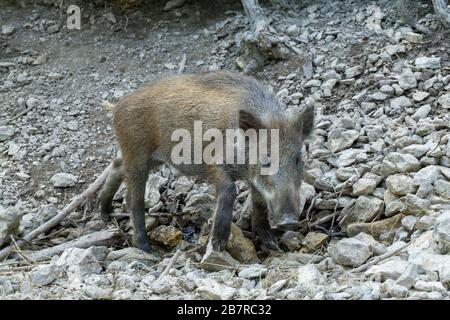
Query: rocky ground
[(376, 192)]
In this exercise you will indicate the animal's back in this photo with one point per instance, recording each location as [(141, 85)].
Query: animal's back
[(214, 98), (146, 118)]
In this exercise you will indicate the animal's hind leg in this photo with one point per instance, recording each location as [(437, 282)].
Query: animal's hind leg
[(110, 188), (136, 174)]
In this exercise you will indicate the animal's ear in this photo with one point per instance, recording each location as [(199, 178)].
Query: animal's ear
[(248, 120), (304, 121)]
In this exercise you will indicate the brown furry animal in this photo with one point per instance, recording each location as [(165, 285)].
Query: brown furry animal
[(144, 121)]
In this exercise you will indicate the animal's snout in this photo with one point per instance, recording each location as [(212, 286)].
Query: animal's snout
[(288, 222)]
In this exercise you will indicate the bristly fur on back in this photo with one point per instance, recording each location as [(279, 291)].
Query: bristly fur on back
[(256, 96)]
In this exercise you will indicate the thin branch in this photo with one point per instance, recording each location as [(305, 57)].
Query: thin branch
[(99, 238), (170, 265), (380, 258), (17, 116), (317, 222), (311, 206), (56, 220), (182, 64), (19, 252), (330, 231)]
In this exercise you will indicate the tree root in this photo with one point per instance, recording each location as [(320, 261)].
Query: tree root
[(408, 16), (440, 8), (261, 43), (406, 9)]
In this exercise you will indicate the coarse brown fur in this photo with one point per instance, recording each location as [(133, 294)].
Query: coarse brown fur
[(144, 120)]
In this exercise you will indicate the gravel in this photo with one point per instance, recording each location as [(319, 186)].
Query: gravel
[(376, 170)]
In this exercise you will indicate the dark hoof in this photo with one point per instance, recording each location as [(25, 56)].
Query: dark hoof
[(106, 208), (268, 240), (270, 246), (218, 245), (105, 217), (143, 245)]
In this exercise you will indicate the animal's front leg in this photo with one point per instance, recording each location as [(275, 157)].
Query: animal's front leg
[(260, 223), (226, 193)]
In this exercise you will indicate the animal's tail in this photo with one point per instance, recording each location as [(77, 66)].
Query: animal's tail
[(108, 106)]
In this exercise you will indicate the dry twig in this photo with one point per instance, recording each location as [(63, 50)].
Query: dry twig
[(170, 265), (380, 258), (182, 64), (99, 238), (74, 204)]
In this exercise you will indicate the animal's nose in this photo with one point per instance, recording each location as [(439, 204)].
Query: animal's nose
[(288, 222)]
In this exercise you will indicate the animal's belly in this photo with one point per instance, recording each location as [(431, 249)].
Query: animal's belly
[(163, 155), (193, 170)]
